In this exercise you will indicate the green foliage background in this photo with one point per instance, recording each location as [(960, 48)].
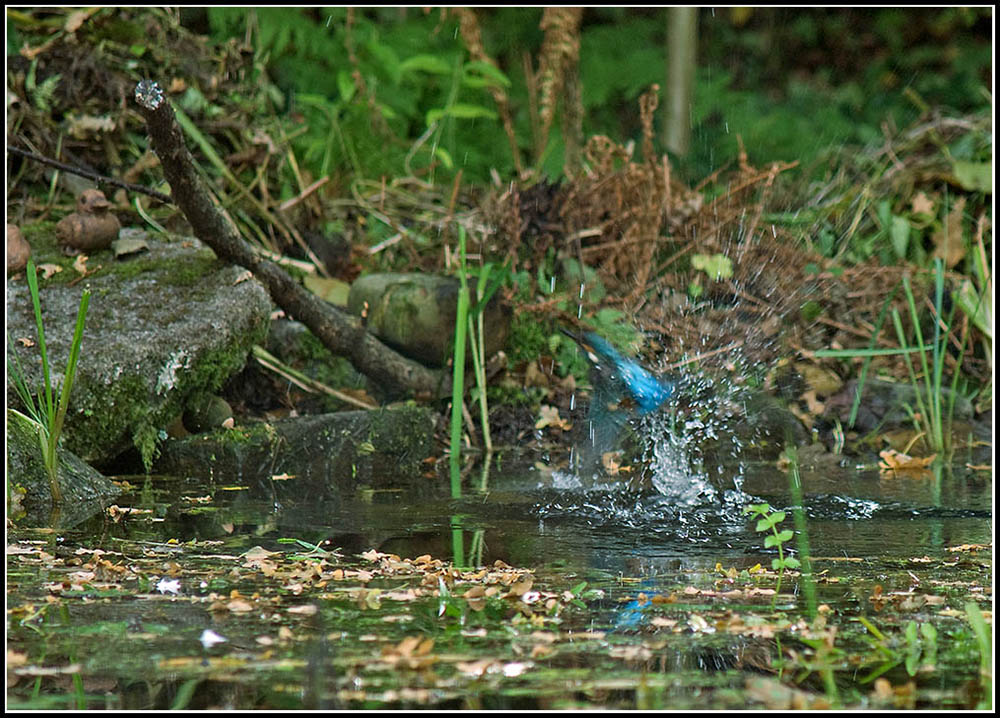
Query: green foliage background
[(789, 81)]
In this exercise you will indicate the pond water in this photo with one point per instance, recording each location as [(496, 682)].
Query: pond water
[(648, 598)]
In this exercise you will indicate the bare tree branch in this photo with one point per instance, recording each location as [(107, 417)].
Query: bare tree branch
[(99, 178), (341, 333)]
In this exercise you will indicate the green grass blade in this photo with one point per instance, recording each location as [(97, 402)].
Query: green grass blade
[(931, 407), (16, 373), (71, 364), (458, 358), (863, 374), (46, 403), (909, 367), (856, 353)]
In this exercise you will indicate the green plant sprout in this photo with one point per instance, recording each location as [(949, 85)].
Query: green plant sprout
[(47, 415), (919, 648), (768, 521), (984, 638)]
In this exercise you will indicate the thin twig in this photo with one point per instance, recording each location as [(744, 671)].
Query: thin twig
[(99, 178)]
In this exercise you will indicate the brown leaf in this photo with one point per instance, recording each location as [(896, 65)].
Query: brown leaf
[(239, 605), (49, 269), (922, 204), (476, 598), (76, 19), (522, 586), (549, 416), (896, 463), (80, 264), (948, 242), (308, 609)]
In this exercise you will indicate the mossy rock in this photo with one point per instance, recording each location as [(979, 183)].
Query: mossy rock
[(415, 313), (162, 326), (84, 490), (316, 455)]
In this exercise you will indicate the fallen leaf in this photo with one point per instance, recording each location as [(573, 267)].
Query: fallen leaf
[(82, 127), (49, 269), (611, 461), (80, 264), (308, 609), (476, 598), (165, 585), (76, 18), (948, 242), (476, 668), (549, 416), (922, 204), (209, 638), (239, 605), (894, 462), (522, 586)]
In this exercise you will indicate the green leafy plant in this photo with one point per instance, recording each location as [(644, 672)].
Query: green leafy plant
[(48, 414), (935, 407), (715, 267), (372, 107), (984, 638), (919, 648), (768, 521)]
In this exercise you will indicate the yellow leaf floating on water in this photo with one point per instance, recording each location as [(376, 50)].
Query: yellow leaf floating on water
[(894, 462)]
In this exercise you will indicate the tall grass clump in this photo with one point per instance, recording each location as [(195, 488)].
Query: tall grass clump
[(935, 401), (48, 414), (469, 326), (935, 411)]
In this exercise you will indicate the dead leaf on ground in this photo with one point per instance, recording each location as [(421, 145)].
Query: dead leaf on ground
[(948, 242), (922, 204), (549, 416), (48, 270)]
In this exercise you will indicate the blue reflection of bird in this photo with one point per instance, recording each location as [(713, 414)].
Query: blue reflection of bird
[(622, 388)]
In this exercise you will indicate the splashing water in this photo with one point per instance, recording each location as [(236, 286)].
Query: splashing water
[(674, 442)]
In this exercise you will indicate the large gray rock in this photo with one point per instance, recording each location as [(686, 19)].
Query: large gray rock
[(163, 325)]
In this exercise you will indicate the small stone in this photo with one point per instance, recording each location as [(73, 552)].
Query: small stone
[(92, 227), (18, 250), (207, 412)]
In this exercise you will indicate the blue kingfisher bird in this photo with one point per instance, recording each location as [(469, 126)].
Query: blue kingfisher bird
[(620, 382), (622, 388)]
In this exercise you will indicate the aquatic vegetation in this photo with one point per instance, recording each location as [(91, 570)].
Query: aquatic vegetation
[(48, 414), (767, 521)]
